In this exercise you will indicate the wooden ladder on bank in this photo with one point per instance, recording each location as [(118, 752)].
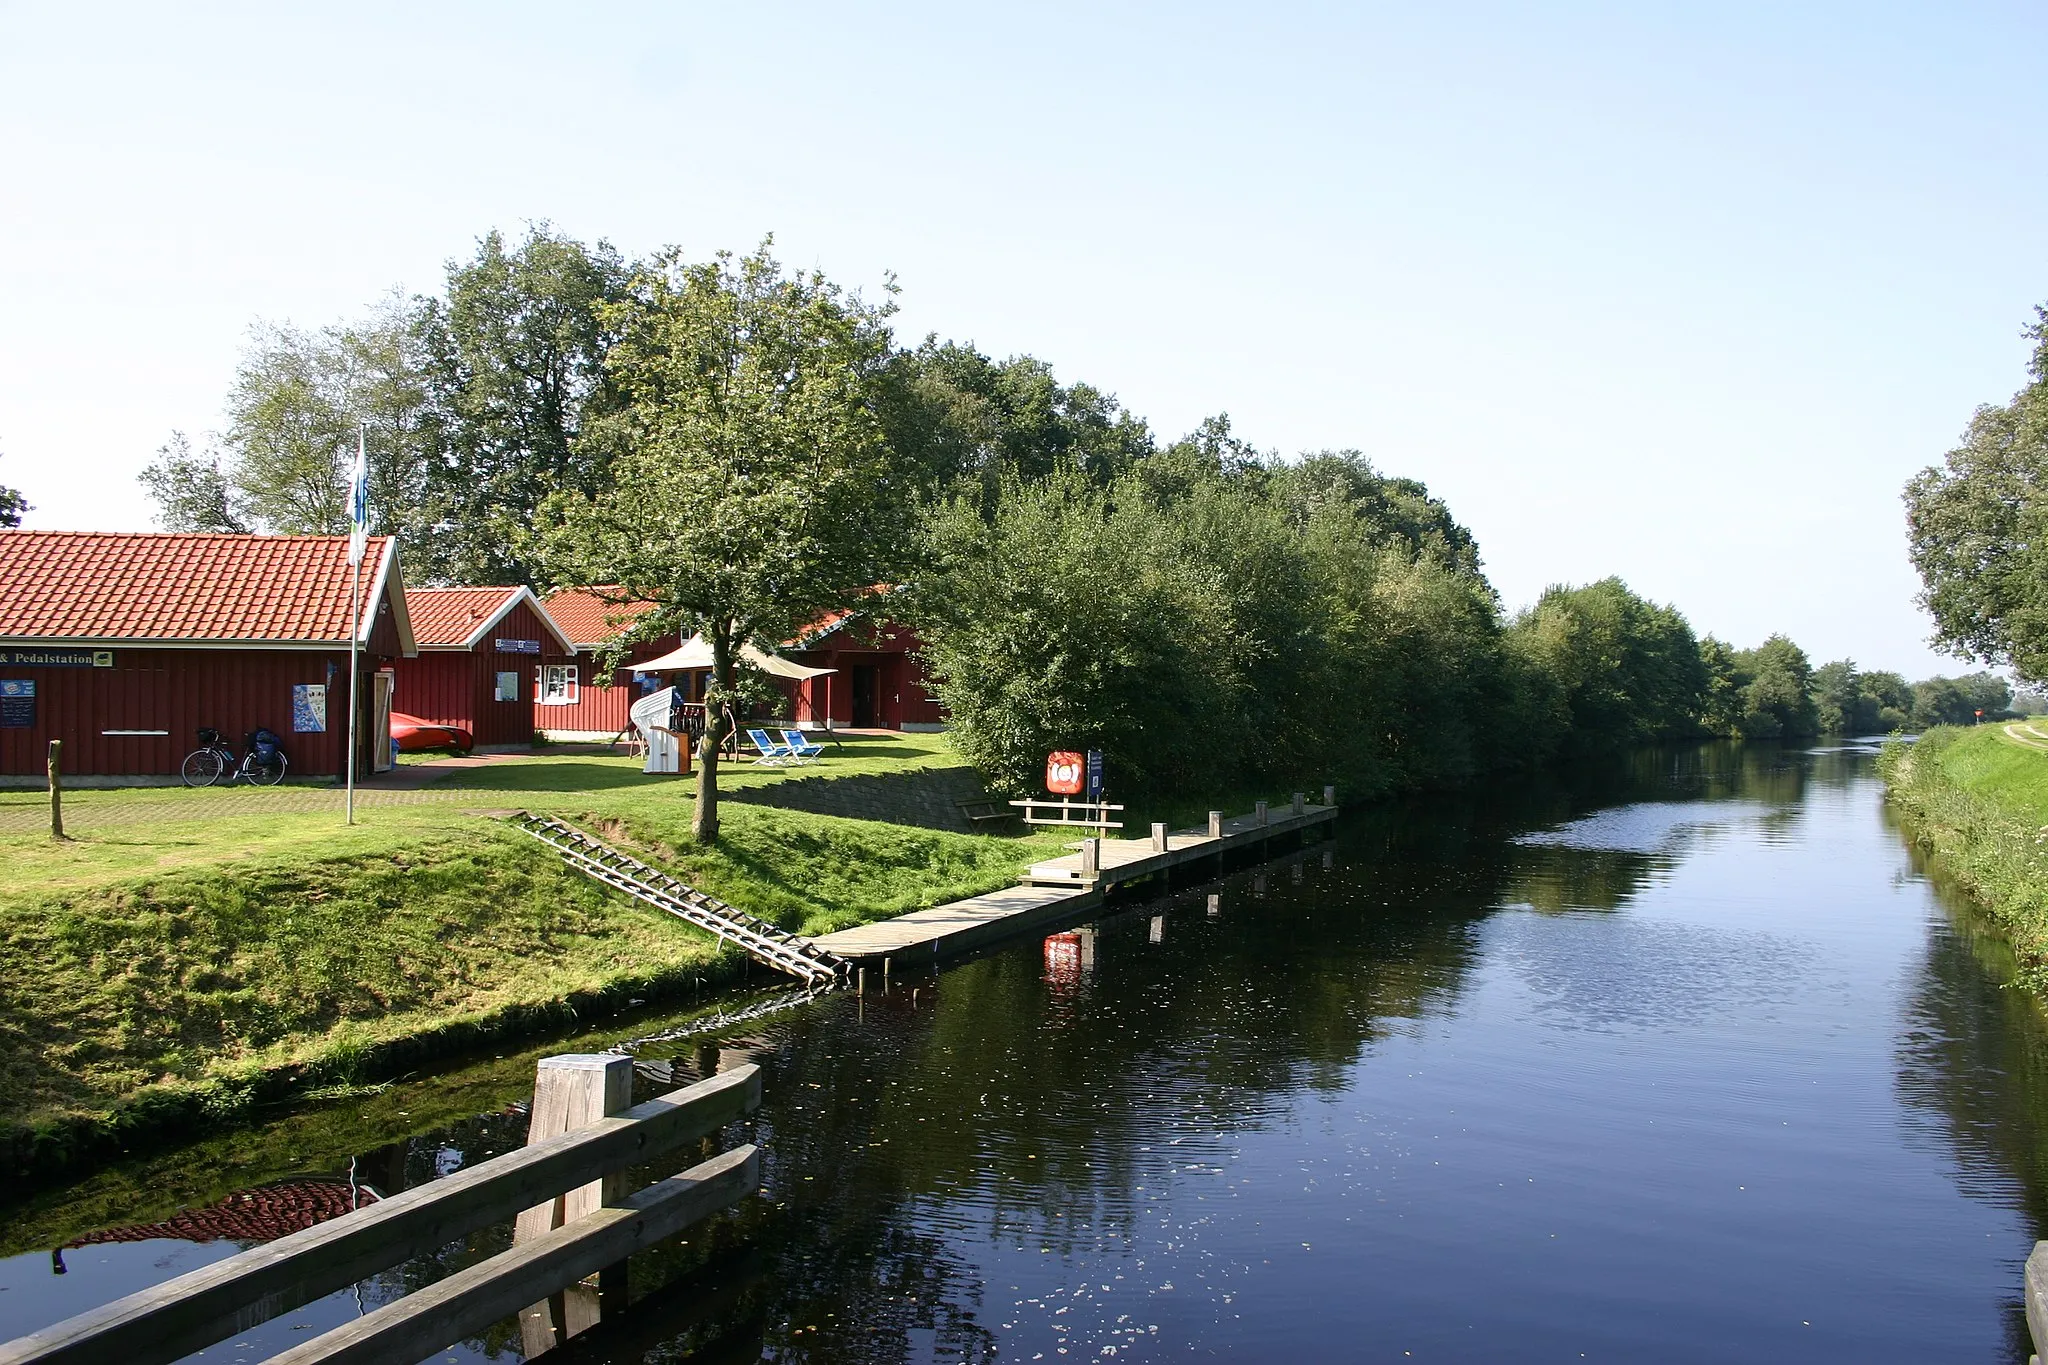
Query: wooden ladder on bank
[(766, 943)]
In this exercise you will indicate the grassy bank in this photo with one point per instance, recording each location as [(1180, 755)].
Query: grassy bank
[(1978, 799), (186, 960)]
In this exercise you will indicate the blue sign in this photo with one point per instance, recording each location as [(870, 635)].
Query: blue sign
[(57, 658), (516, 646), (17, 687), (1095, 774), (309, 708)]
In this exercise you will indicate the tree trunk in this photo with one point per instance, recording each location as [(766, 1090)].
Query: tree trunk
[(704, 827)]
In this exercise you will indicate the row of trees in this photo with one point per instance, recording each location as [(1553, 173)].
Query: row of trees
[(746, 447)]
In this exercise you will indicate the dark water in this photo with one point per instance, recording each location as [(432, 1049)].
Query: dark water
[(1696, 1065)]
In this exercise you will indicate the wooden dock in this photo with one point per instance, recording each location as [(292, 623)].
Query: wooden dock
[(1064, 889)]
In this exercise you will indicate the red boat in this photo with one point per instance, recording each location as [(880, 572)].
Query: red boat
[(412, 734)]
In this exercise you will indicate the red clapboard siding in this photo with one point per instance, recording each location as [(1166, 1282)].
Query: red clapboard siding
[(233, 690), (459, 687), (601, 708)]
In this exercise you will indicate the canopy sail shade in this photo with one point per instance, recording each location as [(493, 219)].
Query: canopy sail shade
[(696, 653)]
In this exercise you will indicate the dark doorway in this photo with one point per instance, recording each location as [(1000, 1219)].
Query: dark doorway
[(864, 696)]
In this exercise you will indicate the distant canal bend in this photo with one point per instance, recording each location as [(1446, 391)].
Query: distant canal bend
[(1692, 1064)]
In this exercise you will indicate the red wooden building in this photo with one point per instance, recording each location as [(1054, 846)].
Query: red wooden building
[(489, 659), (124, 645), (877, 682), (596, 707)]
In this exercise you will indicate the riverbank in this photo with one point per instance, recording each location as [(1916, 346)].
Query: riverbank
[(188, 959), (1977, 799)]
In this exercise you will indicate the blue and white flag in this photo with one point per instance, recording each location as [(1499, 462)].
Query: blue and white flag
[(358, 501)]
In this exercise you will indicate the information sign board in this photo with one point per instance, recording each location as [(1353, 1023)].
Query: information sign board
[(516, 646), (57, 658)]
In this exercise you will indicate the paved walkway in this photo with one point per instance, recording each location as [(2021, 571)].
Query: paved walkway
[(27, 810)]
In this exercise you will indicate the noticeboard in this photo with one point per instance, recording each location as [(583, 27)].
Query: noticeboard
[(17, 703), (1095, 774)]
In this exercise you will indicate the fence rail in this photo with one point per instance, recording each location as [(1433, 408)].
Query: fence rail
[(160, 1324)]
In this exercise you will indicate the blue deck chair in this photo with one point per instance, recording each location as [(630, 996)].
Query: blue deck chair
[(772, 754), (800, 748)]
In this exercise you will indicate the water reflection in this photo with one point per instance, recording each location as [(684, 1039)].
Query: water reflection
[(1682, 1059)]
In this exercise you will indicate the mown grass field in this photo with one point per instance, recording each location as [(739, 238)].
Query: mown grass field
[(192, 953), (1978, 799)]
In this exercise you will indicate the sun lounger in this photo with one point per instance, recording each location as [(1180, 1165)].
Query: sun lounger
[(800, 748), (771, 754)]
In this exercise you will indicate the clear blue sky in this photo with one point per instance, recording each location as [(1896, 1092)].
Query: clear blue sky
[(1683, 294)]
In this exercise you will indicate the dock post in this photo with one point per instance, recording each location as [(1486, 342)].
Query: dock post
[(1158, 932), (1215, 905), (1300, 804), (860, 981), (1329, 796), (571, 1092), (2036, 1295), (1260, 814), (1215, 824), (1158, 838), (1091, 858)]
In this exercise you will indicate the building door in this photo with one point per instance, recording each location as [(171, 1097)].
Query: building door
[(863, 696), (380, 722)]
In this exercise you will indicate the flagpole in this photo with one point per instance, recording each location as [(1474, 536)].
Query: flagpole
[(357, 528)]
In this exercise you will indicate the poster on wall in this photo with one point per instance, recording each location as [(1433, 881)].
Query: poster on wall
[(17, 704), (508, 687), (309, 708)]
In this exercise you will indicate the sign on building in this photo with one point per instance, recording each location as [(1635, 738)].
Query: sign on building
[(516, 646)]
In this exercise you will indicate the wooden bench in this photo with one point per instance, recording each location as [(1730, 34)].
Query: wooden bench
[(984, 808)]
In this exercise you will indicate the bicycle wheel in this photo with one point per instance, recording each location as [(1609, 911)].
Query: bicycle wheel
[(203, 767), (267, 774)]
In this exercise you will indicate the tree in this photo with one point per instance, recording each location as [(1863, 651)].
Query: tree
[(1884, 703), (1630, 671), (12, 505), (1778, 700), (514, 368), (1978, 529), (192, 491), (298, 401), (754, 489), (1837, 696)]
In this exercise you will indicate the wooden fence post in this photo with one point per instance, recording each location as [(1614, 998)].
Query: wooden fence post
[(571, 1092), (56, 771)]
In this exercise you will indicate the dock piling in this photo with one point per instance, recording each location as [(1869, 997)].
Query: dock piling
[(1158, 838), (1091, 858), (1329, 796), (1300, 803), (1261, 815), (572, 1092), (1215, 905), (1215, 824)]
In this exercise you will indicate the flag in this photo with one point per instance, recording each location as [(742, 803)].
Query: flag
[(358, 501)]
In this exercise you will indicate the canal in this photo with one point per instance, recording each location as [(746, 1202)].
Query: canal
[(1691, 1061)]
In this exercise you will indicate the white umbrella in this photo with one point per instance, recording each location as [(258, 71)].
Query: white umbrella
[(696, 653)]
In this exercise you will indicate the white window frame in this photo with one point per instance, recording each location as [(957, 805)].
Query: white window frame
[(558, 684)]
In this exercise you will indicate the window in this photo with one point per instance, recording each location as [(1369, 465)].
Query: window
[(558, 685), (508, 687)]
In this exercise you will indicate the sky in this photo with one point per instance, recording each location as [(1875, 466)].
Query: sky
[(1679, 293)]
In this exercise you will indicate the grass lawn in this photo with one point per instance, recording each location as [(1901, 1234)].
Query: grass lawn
[(1978, 799), (189, 948)]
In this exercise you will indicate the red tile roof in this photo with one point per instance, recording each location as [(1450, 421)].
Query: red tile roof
[(588, 619), (112, 587), (449, 616)]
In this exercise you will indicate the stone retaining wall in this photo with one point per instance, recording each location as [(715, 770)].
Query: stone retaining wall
[(929, 798)]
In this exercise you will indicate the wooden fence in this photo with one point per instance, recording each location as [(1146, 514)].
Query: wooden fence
[(571, 1224)]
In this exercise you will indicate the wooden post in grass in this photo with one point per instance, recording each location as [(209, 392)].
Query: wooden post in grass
[(572, 1092), (56, 770)]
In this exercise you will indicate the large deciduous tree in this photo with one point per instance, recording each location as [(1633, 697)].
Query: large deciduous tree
[(513, 359), (754, 488), (1978, 528)]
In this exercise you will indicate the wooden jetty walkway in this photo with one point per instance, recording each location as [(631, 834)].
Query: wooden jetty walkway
[(1063, 889)]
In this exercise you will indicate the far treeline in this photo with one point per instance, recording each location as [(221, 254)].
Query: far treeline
[(747, 447)]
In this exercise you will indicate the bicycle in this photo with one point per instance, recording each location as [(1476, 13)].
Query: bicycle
[(262, 766)]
